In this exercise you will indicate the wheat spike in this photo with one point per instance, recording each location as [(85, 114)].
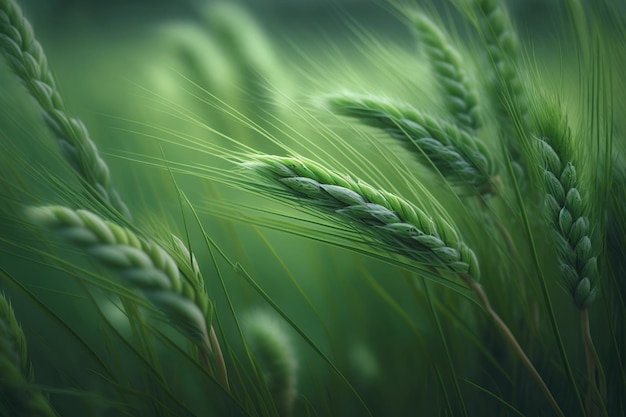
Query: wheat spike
[(145, 266), (461, 158), (28, 61), (450, 72), (275, 355), (17, 396), (400, 225), (505, 85), (566, 209)]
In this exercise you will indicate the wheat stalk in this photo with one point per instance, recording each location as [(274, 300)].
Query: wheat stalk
[(460, 157), (275, 355), (450, 72), (145, 267), (28, 61), (402, 227), (17, 396)]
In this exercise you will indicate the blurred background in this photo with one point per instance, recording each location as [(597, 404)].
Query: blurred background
[(165, 78)]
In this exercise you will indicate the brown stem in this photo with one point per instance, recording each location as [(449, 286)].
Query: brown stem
[(510, 338), (219, 358)]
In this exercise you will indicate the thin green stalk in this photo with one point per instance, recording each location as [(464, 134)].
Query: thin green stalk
[(444, 343), (596, 385), (106, 370), (144, 346), (193, 269), (504, 232), (18, 395), (219, 357), (497, 398), (512, 341)]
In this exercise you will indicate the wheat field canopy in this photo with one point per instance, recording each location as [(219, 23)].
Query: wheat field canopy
[(312, 208)]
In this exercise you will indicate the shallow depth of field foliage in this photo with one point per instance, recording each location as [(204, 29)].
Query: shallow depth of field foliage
[(334, 208)]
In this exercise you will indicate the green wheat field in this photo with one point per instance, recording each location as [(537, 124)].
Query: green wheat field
[(313, 208)]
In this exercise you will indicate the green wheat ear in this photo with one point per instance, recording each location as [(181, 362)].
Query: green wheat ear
[(399, 225), (17, 396), (566, 208), (28, 61), (497, 31), (462, 159), (450, 72), (275, 354), (178, 292), (145, 266), (248, 46), (504, 83)]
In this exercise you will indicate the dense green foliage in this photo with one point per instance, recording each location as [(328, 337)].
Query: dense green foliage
[(418, 213)]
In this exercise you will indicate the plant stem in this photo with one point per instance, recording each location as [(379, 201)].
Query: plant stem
[(219, 358), (500, 226), (510, 338), (205, 352), (595, 383), (444, 343)]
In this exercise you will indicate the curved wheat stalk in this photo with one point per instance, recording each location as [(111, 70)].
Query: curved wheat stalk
[(145, 267), (402, 227), (461, 158), (28, 61), (450, 71), (17, 396)]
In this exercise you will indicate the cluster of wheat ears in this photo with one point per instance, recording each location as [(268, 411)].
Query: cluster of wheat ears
[(503, 144)]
